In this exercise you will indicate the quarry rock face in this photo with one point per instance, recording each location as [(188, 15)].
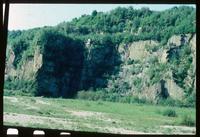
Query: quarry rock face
[(178, 40), (136, 50), (10, 70), (139, 51), (28, 68), (80, 67), (37, 60)]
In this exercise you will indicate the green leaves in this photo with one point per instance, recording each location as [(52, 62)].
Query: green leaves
[(19, 47), (94, 13), (181, 61)]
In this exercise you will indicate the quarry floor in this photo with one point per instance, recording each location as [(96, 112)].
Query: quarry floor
[(94, 116)]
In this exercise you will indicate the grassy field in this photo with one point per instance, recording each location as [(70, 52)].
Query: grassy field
[(81, 115)]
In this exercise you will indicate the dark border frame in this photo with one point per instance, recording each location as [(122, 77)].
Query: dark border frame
[(27, 131), (106, 1)]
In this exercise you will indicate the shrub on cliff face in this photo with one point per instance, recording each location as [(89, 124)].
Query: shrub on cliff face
[(180, 62), (19, 47), (137, 82), (118, 86), (136, 69)]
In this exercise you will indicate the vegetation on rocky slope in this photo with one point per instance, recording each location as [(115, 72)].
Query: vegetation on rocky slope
[(113, 56)]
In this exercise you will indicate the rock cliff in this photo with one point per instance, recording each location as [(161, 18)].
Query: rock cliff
[(141, 68)]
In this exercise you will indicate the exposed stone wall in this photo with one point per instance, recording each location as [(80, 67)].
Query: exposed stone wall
[(91, 67)]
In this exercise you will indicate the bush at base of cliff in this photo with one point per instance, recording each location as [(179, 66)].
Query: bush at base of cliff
[(170, 102), (20, 87), (170, 113), (103, 95), (187, 120), (187, 102)]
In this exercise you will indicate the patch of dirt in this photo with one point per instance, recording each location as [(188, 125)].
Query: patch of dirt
[(84, 113), (121, 130), (62, 123), (12, 99), (116, 130), (29, 107), (42, 102), (97, 115), (14, 117), (181, 129), (26, 120)]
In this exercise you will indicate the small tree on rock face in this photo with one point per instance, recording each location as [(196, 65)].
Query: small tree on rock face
[(18, 48), (94, 13)]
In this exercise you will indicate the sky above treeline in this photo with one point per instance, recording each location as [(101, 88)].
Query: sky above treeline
[(27, 16)]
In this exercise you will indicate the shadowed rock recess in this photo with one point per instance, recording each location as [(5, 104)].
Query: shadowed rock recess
[(125, 60), (68, 66), (62, 63)]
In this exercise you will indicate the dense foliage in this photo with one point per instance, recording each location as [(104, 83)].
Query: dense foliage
[(134, 24), (125, 24)]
